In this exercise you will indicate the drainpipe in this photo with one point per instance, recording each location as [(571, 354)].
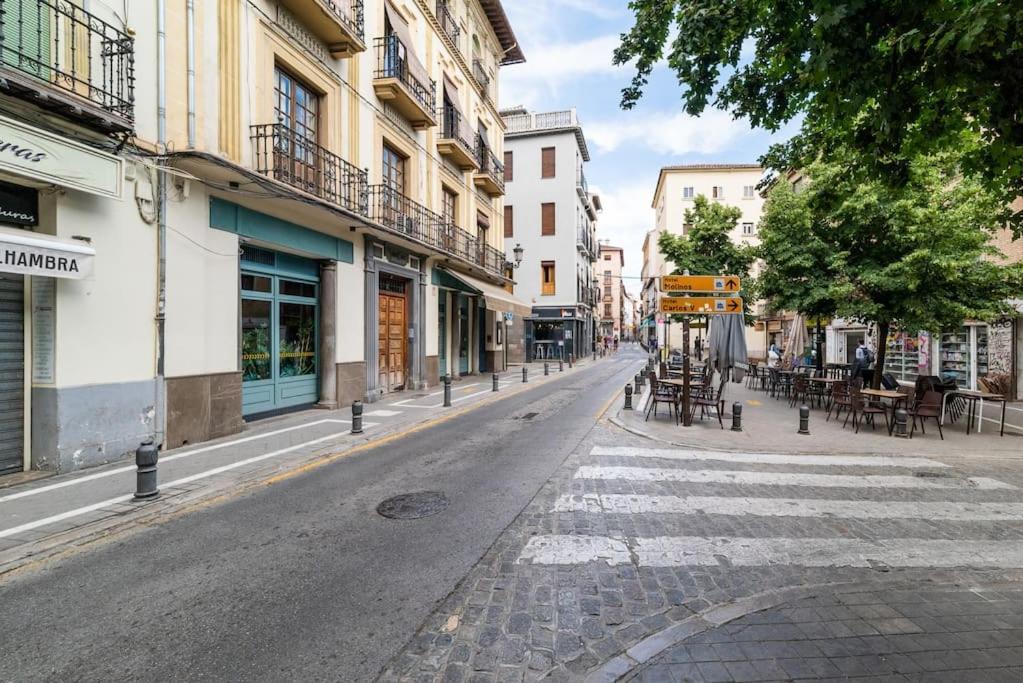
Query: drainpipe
[(161, 203), (190, 39)]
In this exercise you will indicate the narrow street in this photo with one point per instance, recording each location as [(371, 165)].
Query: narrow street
[(302, 580)]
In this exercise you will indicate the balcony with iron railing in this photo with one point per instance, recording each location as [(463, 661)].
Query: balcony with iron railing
[(489, 176), (581, 185), (290, 158), (549, 120), (447, 22), (399, 81), (65, 59), (338, 23), (457, 139), (409, 218), (584, 240), (479, 72)]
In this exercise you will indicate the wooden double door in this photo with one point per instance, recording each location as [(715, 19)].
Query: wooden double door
[(392, 338)]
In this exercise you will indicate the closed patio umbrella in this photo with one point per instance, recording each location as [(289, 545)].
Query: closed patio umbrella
[(797, 340), (727, 341)]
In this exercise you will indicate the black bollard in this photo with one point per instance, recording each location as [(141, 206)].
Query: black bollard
[(642, 379), (356, 417), (546, 368), (628, 397), (736, 417), (901, 418), (447, 391), (495, 381), (561, 365), (804, 419), (637, 390), (594, 354), (524, 371), (146, 456), (569, 361)]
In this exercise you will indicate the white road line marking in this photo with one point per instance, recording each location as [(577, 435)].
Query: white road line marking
[(382, 413), (680, 551), (1007, 424), (788, 478), (28, 526), (767, 458), (454, 388), (633, 504), (453, 400), (168, 458)]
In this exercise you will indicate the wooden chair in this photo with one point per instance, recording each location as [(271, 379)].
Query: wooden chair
[(800, 389), (660, 393), (753, 376), (840, 399), (707, 398), (663, 370), (865, 409), (928, 407)]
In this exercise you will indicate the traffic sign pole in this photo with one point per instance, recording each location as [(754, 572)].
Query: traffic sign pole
[(686, 420)]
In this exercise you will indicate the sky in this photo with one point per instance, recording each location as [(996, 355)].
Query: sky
[(568, 46)]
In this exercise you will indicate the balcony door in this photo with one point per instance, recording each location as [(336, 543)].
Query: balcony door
[(393, 179), (297, 111)]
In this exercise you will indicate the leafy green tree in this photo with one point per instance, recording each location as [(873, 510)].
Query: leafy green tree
[(917, 256), (887, 78), (707, 247)]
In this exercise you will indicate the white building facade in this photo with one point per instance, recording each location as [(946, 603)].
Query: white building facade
[(551, 215)]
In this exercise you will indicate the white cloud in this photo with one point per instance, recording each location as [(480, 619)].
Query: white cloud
[(668, 133), (625, 220), (553, 64)]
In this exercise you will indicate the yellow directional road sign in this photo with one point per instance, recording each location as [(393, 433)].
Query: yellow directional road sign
[(701, 305), (700, 283)]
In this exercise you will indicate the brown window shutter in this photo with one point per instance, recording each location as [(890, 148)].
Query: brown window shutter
[(547, 162), (547, 219), (508, 166), (509, 229)]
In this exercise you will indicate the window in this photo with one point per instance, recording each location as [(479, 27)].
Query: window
[(748, 191), (509, 220), (449, 209), (547, 162), (607, 310), (296, 109), (718, 192), (607, 257), (547, 219), (508, 166), (607, 277), (687, 193), (547, 278), (393, 170), (748, 229)]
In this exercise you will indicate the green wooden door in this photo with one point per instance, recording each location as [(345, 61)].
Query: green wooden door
[(26, 35)]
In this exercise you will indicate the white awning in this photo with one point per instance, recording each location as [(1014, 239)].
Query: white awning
[(497, 299), (30, 253)]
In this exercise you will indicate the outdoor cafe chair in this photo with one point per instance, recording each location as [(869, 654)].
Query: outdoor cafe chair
[(800, 390), (708, 398), (661, 393), (840, 399), (753, 375), (928, 407), (865, 409)]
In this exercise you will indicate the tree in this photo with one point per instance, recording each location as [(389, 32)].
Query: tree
[(885, 78), (707, 247), (916, 257)]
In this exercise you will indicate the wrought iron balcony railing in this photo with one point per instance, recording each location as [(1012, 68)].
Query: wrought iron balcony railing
[(284, 155), (480, 74), (584, 239), (393, 62), (447, 21), (455, 127), (56, 44), (581, 186), (352, 15), (403, 215), (490, 168)]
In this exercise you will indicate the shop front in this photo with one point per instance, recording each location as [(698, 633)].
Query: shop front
[(557, 332)]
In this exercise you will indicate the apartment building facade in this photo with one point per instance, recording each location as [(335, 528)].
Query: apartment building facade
[(217, 211), (675, 193), (608, 269), (551, 216)]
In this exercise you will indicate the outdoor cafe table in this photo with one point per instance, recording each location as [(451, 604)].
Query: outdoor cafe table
[(827, 382), (973, 398), (895, 397), (678, 384)]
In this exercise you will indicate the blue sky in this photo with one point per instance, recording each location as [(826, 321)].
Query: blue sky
[(568, 46)]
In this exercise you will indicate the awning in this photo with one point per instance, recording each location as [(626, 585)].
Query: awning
[(496, 299), (30, 253), (401, 29)]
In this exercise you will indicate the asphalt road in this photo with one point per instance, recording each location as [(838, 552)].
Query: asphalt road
[(302, 580)]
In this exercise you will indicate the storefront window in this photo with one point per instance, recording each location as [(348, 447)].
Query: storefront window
[(955, 357), (902, 356), (298, 339), (255, 340)]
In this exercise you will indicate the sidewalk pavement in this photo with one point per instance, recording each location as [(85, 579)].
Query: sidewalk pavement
[(43, 517), (770, 424)]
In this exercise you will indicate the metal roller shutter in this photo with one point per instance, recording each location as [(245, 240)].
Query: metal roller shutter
[(12, 373)]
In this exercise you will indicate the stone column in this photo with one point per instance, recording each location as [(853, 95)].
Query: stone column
[(328, 325)]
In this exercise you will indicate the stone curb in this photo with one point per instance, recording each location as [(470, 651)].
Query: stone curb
[(650, 647), (126, 517)]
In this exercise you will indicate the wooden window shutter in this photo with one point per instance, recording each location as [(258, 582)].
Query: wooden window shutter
[(547, 219), (508, 166), (547, 162), (509, 229)]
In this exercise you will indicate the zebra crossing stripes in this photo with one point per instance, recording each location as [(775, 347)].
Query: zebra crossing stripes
[(697, 551), (768, 458), (634, 504), (788, 478)]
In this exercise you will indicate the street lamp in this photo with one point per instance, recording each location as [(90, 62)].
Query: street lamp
[(518, 256)]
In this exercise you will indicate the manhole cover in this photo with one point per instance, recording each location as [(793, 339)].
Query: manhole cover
[(529, 416), (932, 475), (413, 505)]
